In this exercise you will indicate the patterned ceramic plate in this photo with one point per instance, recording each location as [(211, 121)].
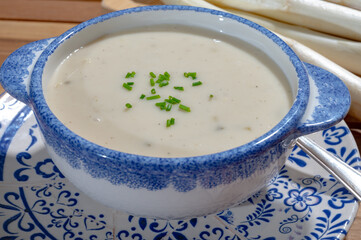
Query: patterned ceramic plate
[(38, 202)]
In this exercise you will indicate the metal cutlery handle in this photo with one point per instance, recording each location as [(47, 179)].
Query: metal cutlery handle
[(345, 174)]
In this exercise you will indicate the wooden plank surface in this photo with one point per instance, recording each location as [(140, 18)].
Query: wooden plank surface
[(24, 21), (123, 4), (50, 11), (31, 30)]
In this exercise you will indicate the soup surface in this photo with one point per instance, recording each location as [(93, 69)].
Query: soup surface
[(237, 95)]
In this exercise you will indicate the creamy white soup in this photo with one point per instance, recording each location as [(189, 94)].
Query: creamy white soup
[(230, 93)]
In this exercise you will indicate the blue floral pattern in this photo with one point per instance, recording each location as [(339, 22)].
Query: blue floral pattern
[(302, 199), (38, 202), (334, 135)]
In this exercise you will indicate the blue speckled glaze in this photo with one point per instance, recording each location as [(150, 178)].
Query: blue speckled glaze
[(17, 68), (334, 100), (184, 174)]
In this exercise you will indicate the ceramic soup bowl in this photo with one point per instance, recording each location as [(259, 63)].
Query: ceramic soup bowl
[(174, 188)]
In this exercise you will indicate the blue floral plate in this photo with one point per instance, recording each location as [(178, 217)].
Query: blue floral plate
[(38, 202)]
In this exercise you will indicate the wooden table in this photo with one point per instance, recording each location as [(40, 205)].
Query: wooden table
[(24, 21)]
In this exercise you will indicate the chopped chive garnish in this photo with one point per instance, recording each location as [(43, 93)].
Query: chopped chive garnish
[(169, 107), (191, 74), (161, 77), (161, 105), (179, 88), (158, 104), (163, 80), (152, 83), (196, 83), (211, 96), (172, 100), (126, 86), (152, 75), (184, 108), (130, 74), (162, 84), (170, 122), (175, 99), (153, 97)]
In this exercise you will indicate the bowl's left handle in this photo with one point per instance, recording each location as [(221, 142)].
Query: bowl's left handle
[(15, 72), (329, 101)]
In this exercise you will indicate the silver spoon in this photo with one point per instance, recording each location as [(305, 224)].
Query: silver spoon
[(345, 174)]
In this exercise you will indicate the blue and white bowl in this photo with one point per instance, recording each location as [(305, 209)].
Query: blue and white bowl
[(174, 188)]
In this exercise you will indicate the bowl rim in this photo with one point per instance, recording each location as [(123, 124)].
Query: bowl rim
[(278, 133)]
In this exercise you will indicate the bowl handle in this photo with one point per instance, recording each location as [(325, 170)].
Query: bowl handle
[(15, 73), (328, 104)]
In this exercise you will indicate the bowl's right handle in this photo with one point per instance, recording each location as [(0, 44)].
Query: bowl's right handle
[(15, 72), (329, 101)]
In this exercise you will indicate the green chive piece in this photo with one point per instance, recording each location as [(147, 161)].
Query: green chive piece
[(126, 86), (211, 96), (142, 96), (152, 75), (130, 83), (166, 75), (128, 105), (153, 97), (191, 74), (161, 105), (179, 88), (130, 75), (172, 100), (163, 84), (153, 91), (170, 122), (175, 100), (152, 83), (169, 107), (196, 83), (184, 108), (161, 77)]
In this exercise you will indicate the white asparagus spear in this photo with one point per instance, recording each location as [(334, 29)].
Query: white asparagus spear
[(356, 4), (306, 54), (196, 3), (318, 15), (344, 52)]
